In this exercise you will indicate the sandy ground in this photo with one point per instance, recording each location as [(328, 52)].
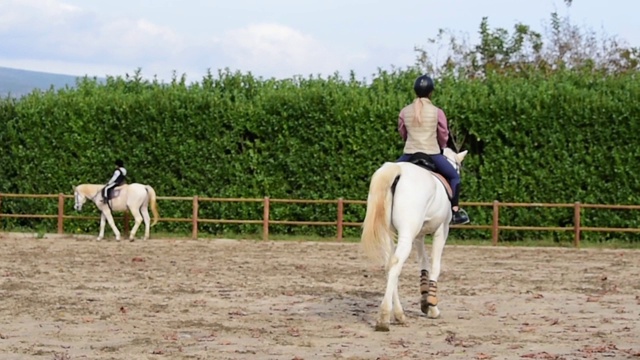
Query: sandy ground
[(223, 299)]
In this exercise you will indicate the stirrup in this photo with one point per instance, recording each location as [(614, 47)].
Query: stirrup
[(460, 217)]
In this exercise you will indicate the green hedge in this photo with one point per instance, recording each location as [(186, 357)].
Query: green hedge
[(561, 137)]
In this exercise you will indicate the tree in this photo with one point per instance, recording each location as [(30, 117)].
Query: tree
[(561, 45)]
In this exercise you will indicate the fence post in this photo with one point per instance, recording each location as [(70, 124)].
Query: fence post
[(60, 213), (576, 224), (340, 218), (496, 223), (265, 220), (194, 219)]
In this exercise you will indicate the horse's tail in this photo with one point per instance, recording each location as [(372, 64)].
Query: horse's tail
[(152, 203), (377, 236)]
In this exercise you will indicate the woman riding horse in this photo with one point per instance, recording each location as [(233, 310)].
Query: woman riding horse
[(424, 129)]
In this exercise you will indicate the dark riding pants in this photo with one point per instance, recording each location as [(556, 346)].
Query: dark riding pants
[(444, 167), (106, 191)]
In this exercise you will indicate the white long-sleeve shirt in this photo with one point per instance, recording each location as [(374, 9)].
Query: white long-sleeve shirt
[(119, 174)]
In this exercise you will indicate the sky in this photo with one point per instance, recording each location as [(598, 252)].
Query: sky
[(269, 38)]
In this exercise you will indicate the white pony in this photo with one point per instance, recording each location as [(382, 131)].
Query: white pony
[(409, 200), (136, 197)]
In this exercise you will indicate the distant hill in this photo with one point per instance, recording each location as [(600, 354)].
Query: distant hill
[(17, 82)]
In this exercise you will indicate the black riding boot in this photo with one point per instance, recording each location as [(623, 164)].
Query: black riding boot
[(459, 217)]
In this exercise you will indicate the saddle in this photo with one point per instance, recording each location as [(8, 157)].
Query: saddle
[(115, 192), (424, 161)]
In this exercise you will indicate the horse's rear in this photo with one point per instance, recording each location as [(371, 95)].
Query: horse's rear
[(410, 200), (420, 202), (140, 198)]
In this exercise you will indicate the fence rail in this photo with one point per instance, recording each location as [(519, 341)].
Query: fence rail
[(340, 224)]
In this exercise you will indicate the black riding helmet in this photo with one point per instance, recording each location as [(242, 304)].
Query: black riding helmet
[(423, 86), (119, 163)]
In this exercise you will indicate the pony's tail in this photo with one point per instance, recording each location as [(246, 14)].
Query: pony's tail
[(152, 203), (377, 236)]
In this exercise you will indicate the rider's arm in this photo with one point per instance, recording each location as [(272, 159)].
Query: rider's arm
[(401, 128), (443, 129), (114, 177)]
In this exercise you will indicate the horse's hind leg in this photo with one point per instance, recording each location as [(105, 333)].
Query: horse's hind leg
[(398, 312), (423, 262), (138, 220), (439, 239), (403, 250), (147, 222)]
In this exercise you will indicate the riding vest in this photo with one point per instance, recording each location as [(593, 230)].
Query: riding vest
[(422, 136), (118, 176)]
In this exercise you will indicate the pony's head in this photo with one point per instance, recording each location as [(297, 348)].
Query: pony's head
[(80, 197), (455, 158)]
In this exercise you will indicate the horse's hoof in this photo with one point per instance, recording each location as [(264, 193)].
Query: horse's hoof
[(401, 318), (98, 238), (132, 239), (382, 326), (117, 239), (434, 313), (428, 302)]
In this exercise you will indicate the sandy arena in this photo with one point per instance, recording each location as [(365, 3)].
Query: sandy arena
[(67, 298)]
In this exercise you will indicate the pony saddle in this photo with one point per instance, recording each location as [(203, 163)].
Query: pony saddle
[(424, 161), (115, 192)]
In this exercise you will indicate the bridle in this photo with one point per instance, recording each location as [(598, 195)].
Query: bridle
[(77, 196)]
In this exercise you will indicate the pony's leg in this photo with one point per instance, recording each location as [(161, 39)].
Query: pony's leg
[(102, 222), (403, 250), (423, 262), (113, 225), (147, 222), (398, 312), (138, 220), (439, 239)]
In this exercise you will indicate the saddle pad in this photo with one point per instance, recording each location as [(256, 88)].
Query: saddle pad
[(444, 181)]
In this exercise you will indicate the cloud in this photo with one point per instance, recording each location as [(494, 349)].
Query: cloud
[(35, 16), (56, 31), (51, 35), (281, 51)]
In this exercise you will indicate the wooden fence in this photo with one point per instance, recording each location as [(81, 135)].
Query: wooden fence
[(494, 227)]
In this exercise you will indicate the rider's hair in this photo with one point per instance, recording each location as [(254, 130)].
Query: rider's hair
[(417, 110)]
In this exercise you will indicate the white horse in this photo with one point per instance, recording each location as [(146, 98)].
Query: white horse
[(410, 202), (136, 197)]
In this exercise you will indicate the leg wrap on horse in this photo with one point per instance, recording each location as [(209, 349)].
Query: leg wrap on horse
[(432, 298), (428, 288), (424, 282)]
